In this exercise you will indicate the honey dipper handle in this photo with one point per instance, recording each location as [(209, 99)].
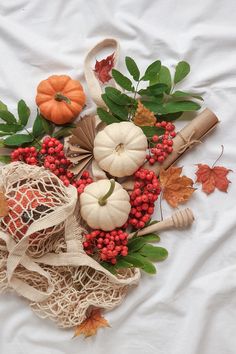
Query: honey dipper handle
[(179, 220)]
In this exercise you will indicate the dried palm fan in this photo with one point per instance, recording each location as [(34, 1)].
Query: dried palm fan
[(79, 146)]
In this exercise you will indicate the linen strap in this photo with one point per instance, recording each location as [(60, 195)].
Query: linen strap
[(93, 83)]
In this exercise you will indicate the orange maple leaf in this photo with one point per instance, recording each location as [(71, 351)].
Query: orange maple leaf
[(212, 177), (176, 189), (4, 210), (144, 117), (103, 68), (91, 324)]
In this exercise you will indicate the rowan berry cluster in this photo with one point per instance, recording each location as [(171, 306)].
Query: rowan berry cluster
[(27, 155), (145, 193), (163, 145), (81, 183), (108, 245), (53, 158)]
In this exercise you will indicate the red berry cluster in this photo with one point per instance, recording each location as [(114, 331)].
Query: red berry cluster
[(53, 158), (142, 199), (108, 245), (81, 183), (163, 145), (27, 155)]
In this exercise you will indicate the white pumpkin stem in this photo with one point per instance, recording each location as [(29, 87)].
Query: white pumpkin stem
[(60, 97), (103, 200)]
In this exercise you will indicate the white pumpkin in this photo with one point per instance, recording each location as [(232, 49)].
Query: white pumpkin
[(120, 148), (104, 205)]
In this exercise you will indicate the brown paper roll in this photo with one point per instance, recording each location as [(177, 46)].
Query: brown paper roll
[(188, 137)]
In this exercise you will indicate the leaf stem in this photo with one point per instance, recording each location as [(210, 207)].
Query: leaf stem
[(103, 200), (222, 151), (34, 139)]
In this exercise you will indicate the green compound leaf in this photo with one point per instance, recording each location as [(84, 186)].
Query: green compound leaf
[(106, 117), (117, 96), (117, 110), (181, 71), (23, 112), (18, 140), (8, 117), (153, 253), (152, 70), (132, 68), (122, 80)]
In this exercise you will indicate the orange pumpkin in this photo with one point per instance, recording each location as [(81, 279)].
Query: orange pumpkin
[(60, 99)]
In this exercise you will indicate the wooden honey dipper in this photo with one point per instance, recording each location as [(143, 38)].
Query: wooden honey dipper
[(179, 220)]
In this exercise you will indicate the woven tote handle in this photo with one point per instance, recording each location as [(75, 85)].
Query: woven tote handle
[(95, 89)]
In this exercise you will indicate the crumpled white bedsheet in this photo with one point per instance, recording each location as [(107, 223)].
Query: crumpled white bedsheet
[(189, 307)]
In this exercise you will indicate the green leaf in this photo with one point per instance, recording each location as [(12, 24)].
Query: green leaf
[(119, 111), (136, 243), (8, 117), (122, 263), (5, 159), (157, 89), (23, 112), (152, 71), (154, 90), (122, 80), (148, 267), (38, 126), (108, 267), (63, 132), (18, 139), (181, 71), (10, 128), (181, 106), (153, 253), (186, 94), (47, 126), (151, 238), (134, 261), (150, 131), (3, 106), (117, 96), (106, 117), (132, 68), (169, 117), (165, 78), (155, 107)]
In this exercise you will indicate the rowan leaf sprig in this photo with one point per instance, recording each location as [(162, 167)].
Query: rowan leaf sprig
[(159, 96)]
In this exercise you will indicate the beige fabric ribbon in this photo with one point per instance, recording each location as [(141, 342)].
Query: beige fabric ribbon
[(93, 83), (188, 143)]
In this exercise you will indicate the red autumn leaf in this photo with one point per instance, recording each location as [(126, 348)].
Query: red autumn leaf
[(212, 178), (103, 68)]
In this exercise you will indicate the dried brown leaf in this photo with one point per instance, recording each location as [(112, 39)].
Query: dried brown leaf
[(176, 189), (144, 117), (90, 326)]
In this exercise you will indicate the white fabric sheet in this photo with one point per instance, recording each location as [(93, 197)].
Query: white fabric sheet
[(189, 307)]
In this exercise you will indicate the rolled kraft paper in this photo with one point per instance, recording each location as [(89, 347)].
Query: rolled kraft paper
[(188, 137)]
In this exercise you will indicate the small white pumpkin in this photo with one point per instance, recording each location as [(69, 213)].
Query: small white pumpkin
[(120, 148), (105, 205)]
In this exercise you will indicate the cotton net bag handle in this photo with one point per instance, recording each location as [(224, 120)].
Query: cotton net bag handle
[(93, 83)]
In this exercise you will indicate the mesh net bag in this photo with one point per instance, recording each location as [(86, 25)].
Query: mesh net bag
[(41, 252)]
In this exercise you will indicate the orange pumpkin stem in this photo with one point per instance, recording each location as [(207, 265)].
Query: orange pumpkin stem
[(60, 97)]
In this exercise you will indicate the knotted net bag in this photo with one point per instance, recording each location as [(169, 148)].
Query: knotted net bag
[(41, 252)]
